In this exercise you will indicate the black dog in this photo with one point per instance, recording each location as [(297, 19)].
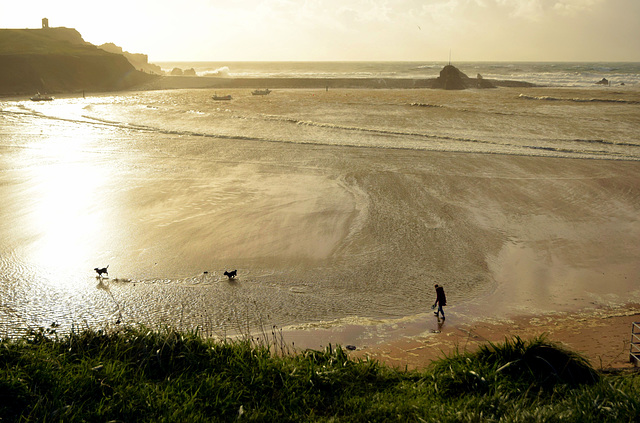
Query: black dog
[(231, 275), (101, 270)]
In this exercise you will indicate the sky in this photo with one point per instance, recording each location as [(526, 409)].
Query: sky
[(344, 30)]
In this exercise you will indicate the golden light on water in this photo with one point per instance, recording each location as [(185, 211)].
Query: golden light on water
[(63, 202)]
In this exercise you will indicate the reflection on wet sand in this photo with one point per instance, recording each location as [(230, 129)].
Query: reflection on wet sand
[(320, 234)]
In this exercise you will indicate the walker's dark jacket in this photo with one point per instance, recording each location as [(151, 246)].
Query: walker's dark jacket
[(440, 297)]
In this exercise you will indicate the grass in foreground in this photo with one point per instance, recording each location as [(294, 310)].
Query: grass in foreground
[(140, 375)]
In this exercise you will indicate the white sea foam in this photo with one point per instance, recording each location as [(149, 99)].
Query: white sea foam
[(221, 72), (501, 123)]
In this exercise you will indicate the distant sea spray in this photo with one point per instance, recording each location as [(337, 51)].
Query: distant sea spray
[(221, 72)]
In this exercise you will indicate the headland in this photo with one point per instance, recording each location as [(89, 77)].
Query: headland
[(58, 60)]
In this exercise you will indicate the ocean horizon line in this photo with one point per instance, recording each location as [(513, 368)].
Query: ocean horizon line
[(538, 73)]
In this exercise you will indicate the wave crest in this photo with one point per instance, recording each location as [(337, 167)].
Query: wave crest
[(222, 72), (577, 100)]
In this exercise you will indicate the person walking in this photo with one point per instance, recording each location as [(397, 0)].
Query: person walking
[(441, 301)]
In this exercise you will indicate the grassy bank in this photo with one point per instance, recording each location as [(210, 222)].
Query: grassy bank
[(137, 374)]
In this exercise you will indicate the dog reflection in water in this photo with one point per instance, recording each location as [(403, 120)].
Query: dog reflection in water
[(102, 271), (232, 274)]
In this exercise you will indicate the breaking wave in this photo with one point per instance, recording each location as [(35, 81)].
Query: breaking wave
[(338, 135), (578, 100), (222, 72), (424, 105)]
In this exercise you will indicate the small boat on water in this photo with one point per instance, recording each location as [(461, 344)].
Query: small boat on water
[(261, 92), (221, 97), (41, 97)]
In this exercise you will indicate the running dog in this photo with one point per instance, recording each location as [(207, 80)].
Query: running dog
[(102, 270), (231, 275)]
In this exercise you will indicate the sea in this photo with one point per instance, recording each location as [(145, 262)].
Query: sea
[(579, 74), (336, 207)]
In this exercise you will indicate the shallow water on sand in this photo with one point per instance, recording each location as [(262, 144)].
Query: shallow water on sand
[(339, 206)]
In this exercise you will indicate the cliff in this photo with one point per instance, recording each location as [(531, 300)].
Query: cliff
[(138, 60), (58, 60)]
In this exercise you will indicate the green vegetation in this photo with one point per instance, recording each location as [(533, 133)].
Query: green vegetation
[(137, 374)]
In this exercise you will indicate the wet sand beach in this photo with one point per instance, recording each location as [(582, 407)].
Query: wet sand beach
[(602, 335), (340, 211)]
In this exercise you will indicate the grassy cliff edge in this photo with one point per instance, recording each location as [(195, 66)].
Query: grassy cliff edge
[(138, 374)]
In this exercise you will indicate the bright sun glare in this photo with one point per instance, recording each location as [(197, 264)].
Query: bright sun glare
[(64, 212)]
